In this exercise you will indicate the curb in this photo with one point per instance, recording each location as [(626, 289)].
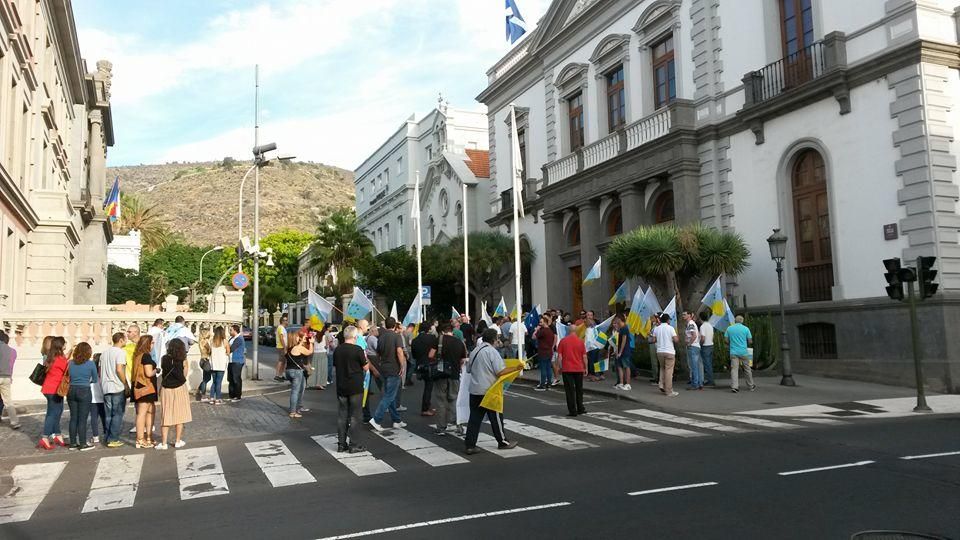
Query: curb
[(37, 406)]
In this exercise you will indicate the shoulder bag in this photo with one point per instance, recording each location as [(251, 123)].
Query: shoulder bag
[(64, 386), (143, 386), (39, 374)]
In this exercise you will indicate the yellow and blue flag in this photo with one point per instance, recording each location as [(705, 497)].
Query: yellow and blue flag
[(620, 295), (644, 306), (724, 321), (320, 310), (454, 314), (360, 306), (714, 298), (111, 204), (414, 314), (594, 273), (501, 309)]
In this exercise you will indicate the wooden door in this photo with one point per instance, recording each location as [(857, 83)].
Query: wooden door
[(796, 27), (576, 280), (811, 210)]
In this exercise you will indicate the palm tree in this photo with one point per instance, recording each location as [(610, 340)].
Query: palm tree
[(136, 215), (339, 247), (678, 261)]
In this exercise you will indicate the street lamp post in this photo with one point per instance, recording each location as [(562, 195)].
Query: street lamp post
[(778, 252), (217, 248)]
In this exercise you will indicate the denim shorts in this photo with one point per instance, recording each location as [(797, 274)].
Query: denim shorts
[(625, 362)]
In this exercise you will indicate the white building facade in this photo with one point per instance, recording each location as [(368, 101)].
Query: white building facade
[(447, 146), (833, 121)]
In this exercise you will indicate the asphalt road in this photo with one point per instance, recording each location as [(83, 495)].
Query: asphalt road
[(732, 482)]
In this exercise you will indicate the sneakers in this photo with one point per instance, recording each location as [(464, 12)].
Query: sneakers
[(179, 444), (161, 446), (440, 432), (618, 386), (540, 388), (459, 431), (358, 449), (557, 382), (400, 424), (753, 387), (373, 423), (734, 390), (626, 387), (471, 451), (133, 429), (341, 448), (86, 447), (115, 444), (673, 394), (507, 445), (96, 439), (402, 408), (14, 426), (278, 378)]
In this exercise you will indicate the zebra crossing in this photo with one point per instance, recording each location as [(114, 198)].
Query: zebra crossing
[(200, 472)]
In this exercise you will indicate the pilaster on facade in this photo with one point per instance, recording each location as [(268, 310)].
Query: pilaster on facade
[(929, 191), (716, 189), (707, 46)]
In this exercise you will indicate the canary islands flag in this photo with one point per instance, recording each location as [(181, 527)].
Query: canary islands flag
[(111, 205), (414, 313), (594, 273), (360, 306), (501, 309), (620, 295), (671, 310), (724, 321), (644, 306), (714, 298), (320, 310)]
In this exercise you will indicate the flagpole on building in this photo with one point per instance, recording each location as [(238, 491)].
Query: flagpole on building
[(466, 269), (416, 223), (517, 170)]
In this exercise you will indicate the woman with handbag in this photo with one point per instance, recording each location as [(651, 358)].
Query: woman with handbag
[(219, 358), (55, 363), (82, 373), (144, 390), (298, 358), (175, 400), (205, 352)]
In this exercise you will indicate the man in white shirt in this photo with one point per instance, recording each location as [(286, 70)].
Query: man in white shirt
[(691, 335), (159, 340), (113, 382), (706, 348), (666, 336)]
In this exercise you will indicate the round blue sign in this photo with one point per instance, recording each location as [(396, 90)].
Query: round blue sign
[(240, 281)]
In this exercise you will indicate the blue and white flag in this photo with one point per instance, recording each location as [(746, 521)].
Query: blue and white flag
[(594, 273), (516, 26)]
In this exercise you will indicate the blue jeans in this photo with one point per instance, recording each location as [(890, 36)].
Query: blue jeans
[(295, 376), (693, 361), (546, 369), (78, 399), (215, 383), (98, 413), (207, 375), (388, 401), (114, 404), (51, 423), (706, 354), (329, 368)]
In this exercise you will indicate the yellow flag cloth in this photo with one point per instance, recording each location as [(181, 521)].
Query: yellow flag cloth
[(493, 399)]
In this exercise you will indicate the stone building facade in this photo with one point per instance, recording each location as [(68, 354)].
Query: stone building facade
[(55, 128), (833, 121)]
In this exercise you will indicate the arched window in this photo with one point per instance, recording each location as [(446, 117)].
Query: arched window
[(811, 211), (614, 221), (432, 228), (663, 213), (459, 211), (573, 233)]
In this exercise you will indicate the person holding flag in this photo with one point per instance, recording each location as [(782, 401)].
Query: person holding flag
[(351, 369), (623, 353), (485, 367)]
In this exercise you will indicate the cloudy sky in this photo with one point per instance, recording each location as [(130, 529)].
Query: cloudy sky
[(337, 76)]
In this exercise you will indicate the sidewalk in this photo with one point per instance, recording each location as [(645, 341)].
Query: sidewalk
[(769, 394)]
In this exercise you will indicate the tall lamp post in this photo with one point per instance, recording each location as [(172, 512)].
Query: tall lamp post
[(778, 252), (217, 248)]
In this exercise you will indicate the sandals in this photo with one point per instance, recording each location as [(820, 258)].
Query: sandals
[(143, 443)]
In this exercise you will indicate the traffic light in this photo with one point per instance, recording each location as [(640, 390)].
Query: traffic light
[(926, 275), (892, 275)]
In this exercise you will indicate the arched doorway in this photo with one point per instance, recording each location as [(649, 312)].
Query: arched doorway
[(811, 211), (526, 275)]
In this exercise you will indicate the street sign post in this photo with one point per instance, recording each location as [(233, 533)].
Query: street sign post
[(240, 281), (425, 295)]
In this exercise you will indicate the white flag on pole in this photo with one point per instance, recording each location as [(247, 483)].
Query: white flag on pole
[(517, 163)]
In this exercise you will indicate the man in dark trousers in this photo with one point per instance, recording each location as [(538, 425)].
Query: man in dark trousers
[(351, 366), (485, 367), (573, 365), (446, 378), (424, 351)]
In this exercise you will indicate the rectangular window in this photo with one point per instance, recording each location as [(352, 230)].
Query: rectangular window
[(664, 73), (386, 179), (387, 244), (399, 165), (522, 139), (400, 231), (429, 153), (379, 243), (575, 113), (360, 196), (616, 99)]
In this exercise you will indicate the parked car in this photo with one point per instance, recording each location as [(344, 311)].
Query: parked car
[(247, 333), (268, 335)]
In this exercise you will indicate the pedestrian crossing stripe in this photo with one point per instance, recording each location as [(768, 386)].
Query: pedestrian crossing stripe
[(200, 473)]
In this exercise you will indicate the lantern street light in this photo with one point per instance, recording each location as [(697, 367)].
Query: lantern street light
[(778, 252)]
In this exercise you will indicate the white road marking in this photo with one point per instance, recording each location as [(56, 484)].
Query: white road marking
[(763, 422), (534, 398), (447, 520), (200, 473), (280, 466), (831, 467), (420, 448), (825, 421), (548, 437), (31, 483), (648, 426), (591, 429), (361, 463), (927, 456), (115, 483), (489, 443), (672, 488), (691, 422)]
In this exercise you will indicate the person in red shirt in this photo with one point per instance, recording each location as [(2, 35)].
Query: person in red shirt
[(55, 360), (573, 365)]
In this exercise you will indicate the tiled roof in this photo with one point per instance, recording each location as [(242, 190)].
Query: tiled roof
[(479, 163)]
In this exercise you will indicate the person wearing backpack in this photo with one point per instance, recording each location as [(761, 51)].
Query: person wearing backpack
[(445, 374), (423, 348)]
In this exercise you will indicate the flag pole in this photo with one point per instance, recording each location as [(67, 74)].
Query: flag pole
[(466, 269), (517, 201), (416, 223)]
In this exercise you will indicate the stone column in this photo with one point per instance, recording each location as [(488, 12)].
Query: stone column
[(98, 159), (558, 288), (631, 207), (590, 235), (686, 196)]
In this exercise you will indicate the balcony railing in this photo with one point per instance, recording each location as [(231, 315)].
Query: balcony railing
[(635, 135), (529, 195), (796, 70)]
